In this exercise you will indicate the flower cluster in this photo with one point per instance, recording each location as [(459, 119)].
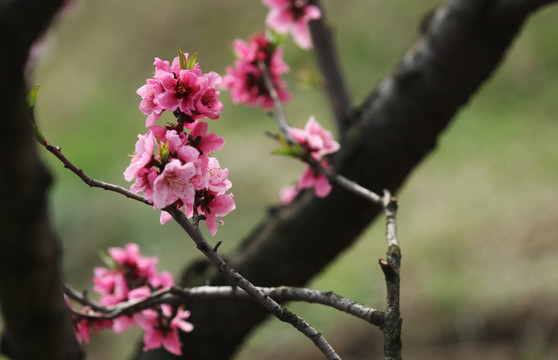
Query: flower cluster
[(172, 165), (292, 16), (133, 277), (181, 89), (316, 142), (245, 80)]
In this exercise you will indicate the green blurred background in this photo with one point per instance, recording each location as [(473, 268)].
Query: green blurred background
[(478, 219)]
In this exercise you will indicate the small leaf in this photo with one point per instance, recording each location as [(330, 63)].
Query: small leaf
[(164, 152), (182, 58), (32, 97), (289, 150), (274, 38), (107, 260), (286, 152), (192, 61)]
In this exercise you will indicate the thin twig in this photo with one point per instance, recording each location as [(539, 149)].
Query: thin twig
[(391, 268), (56, 151), (178, 296), (279, 116), (327, 57), (390, 210), (344, 182), (235, 278)]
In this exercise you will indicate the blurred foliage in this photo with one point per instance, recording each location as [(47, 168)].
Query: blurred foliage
[(478, 219)]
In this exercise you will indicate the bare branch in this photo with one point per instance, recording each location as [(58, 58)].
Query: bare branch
[(345, 183), (391, 268), (327, 57), (279, 117), (179, 296), (235, 278), (90, 181)]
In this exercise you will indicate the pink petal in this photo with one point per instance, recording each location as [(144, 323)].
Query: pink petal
[(171, 342), (301, 35), (322, 186)]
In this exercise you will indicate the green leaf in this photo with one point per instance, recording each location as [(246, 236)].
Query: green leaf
[(288, 149), (107, 260), (274, 38), (287, 152), (32, 97), (192, 61), (182, 58), (164, 152)]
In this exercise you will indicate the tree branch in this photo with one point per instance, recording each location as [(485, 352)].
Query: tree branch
[(56, 151), (238, 280), (180, 296), (327, 57), (391, 268)]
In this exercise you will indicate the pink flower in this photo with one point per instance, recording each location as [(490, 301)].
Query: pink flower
[(218, 182), (316, 142), (188, 93), (245, 80), (142, 157), (213, 206), (124, 322), (171, 166), (311, 178), (134, 278), (205, 143), (145, 178), (180, 90), (162, 330), (292, 16), (83, 325), (130, 258), (207, 103), (174, 184), (175, 67), (149, 104), (288, 194), (133, 271), (315, 139)]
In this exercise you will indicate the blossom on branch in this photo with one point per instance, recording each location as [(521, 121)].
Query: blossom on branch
[(131, 271), (181, 89), (317, 142), (83, 324), (172, 165), (246, 81), (161, 327), (292, 16), (130, 277)]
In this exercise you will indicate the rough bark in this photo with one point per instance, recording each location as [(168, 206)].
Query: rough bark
[(37, 322), (462, 43)]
